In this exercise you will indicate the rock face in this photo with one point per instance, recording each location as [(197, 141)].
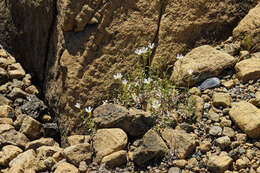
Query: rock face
[(247, 117), (248, 30), (219, 164), (204, 61), (94, 39)]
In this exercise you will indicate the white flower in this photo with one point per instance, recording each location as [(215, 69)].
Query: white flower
[(179, 56), (124, 82), (156, 104), (77, 105), (88, 109), (118, 76), (144, 50), (138, 51), (147, 81), (190, 71), (151, 45)]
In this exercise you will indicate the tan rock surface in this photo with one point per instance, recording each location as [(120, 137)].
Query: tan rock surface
[(205, 61), (107, 141), (115, 159), (8, 153), (247, 117), (222, 99), (31, 128), (248, 69), (77, 139), (24, 160), (65, 167), (219, 164), (179, 141)]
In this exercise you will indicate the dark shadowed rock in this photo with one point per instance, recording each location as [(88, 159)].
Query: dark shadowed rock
[(149, 147), (134, 121), (34, 107), (51, 130)]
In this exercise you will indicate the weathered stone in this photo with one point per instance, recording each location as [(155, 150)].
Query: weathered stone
[(41, 142), (204, 61), (34, 107), (205, 146), (8, 153), (115, 159), (17, 93), (23, 160), (242, 162), (107, 141), (150, 147), (222, 99), (44, 152), (179, 141), (15, 138), (77, 139), (5, 127), (195, 91), (215, 130), (46, 118), (209, 83), (223, 142), (213, 116), (77, 153), (174, 170), (181, 163), (6, 121), (16, 71), (65, 167), (219, 164), (199, 105), (227, 131), (248, 69), (32, 90), (248, 29), (135, 122), (4, 100), (19, 120), (247, 118), (228, 84), (31, 128), (5, 110), (51, 130)]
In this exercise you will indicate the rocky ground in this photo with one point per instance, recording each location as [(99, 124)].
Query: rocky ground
[(224, 138)]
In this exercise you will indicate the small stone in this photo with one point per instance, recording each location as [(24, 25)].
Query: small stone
[(31, 128), (115, 159), (213, 116), (206, 106), (241, 137), (222, 99), (5, 127), (174, 170), (16, 71), (77, 139), (205, 146), (228, 84), (227, 131), (6, 121), (41, 142), (5, 110), (77, 153), (242, 163), (83, 167), (180, 141), (17, 93), (23, 160), (46, 118), (195, 91), (215, 131), (209, 83), (225, 122), (32, 90), (181, 163), (219, 164), (223, 142), (205, 97), (15, 138), (107, 141), (8, 153), (65, 167)]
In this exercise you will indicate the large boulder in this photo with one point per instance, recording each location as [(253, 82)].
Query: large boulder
[(204, 62), (248, 30)]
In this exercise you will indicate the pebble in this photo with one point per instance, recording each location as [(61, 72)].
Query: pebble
[(209, 83), (215, 131)]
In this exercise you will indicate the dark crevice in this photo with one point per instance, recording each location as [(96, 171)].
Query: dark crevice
[(48, 45), (156, 38)]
